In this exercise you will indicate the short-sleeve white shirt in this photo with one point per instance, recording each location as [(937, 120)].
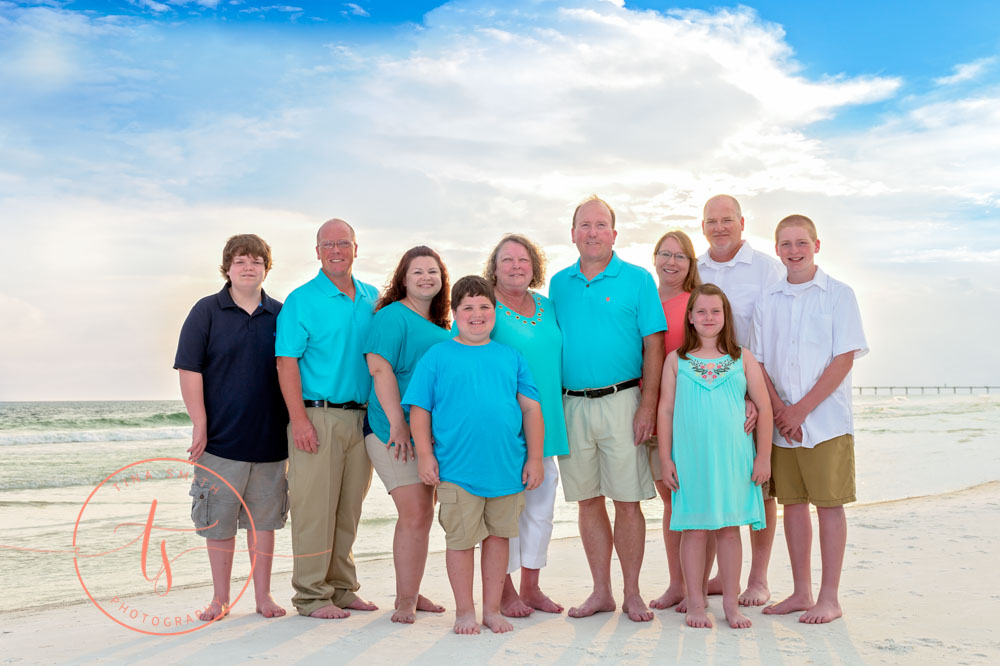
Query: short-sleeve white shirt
[(797, 331), (743, 279)]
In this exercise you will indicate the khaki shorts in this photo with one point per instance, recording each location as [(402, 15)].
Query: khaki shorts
[(394, 473), (822, 476), (603, 459), (218, 513), (467, 519)]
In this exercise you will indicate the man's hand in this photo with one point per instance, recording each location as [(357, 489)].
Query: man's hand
[(427, 468), (199, 440), (751, 422), (533, 474), (304, 436), (643, 423), (789, 420)]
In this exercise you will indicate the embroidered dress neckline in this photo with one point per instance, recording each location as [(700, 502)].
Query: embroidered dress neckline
[(709, 370), (517, 317)]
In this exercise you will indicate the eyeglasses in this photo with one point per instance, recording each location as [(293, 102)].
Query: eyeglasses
[(341, 244), (676, 255)]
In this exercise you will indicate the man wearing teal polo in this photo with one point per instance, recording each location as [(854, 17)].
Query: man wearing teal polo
[(325, 382), (612, 324)]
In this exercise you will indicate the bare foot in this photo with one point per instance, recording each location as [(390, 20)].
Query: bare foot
[(715, 585), (497, 623), (330, 612), (362, 605), (405, 611), (426, 605), (466, 623), (540, 601), (821, 613), (698, 620), (595, 603), (737, 620), (514, 607), (673, 595), (793, 603), (682, 605), (215, 611), (269, 608), (755, 595), (636, 609)]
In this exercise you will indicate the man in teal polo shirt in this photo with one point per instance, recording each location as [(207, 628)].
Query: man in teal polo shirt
[(325, 382), (612, 324)]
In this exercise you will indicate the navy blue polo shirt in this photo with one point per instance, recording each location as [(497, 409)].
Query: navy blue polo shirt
[(234, 352)]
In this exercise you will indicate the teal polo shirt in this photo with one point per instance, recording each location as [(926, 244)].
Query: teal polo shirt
[(326, 331), (603, 322)]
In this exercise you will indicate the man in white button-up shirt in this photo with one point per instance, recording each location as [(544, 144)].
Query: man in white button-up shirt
[(806, 334), (742, 273)]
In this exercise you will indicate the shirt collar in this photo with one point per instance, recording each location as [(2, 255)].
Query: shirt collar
[(821, 280), (743, 256), (226, 300), (613, 268), (327, 286)]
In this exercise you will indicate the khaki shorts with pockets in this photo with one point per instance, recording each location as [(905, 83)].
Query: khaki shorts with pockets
[(822, 475), (217, 512), (467, 519)]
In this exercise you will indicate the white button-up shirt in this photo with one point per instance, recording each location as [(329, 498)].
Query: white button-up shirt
[(743, 279), (797, 331)]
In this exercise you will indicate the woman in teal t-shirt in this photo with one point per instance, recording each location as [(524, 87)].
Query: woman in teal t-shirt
[(526, 321), (410, 317)]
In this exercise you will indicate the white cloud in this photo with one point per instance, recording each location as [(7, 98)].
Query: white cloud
[(966, 71), (486, 118), (356, 10)]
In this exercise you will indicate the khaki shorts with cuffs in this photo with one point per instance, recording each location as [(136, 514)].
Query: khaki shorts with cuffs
[(822, 476), (218, 513), (467, 519), (603, 459), (394, 473)]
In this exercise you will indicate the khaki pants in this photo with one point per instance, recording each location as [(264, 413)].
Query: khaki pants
[(325, 491)]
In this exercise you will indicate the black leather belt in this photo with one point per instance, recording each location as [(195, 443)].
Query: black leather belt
[(601, 392), (336, 405)]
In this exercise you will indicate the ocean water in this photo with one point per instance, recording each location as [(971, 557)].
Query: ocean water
[(56, 454)]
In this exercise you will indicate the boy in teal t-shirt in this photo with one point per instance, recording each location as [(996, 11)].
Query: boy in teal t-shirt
[(477, 397)]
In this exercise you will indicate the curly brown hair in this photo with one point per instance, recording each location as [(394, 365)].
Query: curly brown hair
[(395, 288), (534, 252)]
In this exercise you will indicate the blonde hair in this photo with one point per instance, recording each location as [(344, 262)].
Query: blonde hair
[(796, 221), (594, 197)]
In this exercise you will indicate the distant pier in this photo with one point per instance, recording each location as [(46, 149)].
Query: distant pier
[(906, 390)]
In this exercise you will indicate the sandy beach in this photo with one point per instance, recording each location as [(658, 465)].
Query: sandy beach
[(905, 560)]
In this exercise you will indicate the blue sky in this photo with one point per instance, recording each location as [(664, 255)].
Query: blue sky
[(135, 136)]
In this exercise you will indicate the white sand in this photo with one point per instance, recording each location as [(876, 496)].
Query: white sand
[(919, 586)]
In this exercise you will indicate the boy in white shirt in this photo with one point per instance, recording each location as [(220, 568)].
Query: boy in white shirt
[(806, 334)]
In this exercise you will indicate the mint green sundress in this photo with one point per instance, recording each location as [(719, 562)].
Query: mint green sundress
[(714, 457)]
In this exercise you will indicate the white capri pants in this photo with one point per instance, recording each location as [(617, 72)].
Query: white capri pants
[(530, 549)]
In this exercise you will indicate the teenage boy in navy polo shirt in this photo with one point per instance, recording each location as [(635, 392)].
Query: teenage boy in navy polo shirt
[(230, 388)]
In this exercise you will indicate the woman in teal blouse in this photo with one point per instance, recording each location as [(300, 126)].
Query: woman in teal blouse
[(526, 321), (410, 317)]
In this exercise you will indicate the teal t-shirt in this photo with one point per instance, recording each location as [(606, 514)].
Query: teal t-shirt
[(326, 331), (603, 322), (539, 340), (471, 393), (400, 336)]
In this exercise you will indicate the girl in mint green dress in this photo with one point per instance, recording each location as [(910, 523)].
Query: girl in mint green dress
[(708, 461)]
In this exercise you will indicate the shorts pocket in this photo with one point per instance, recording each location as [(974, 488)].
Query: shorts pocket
[(447, 495), (285, 503), (201, 505)]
